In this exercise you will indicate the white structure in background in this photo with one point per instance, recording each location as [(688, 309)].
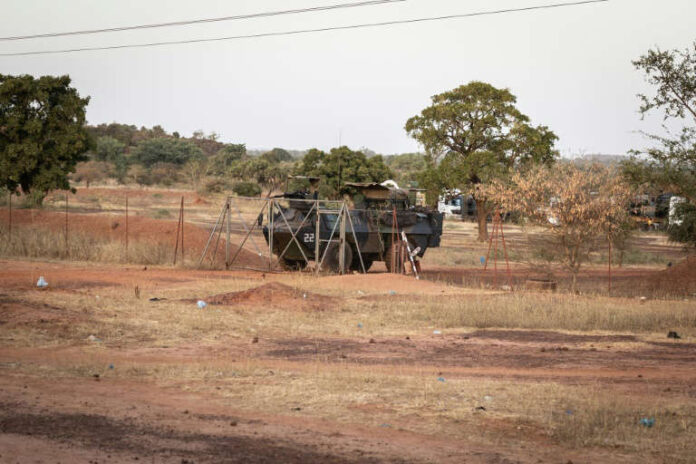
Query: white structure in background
[(673, 218), (390, 183), (450, 205)]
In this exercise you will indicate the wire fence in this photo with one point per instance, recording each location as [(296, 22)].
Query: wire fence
[(150, 226)]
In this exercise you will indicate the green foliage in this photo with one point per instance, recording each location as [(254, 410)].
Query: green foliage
[(42, 135), (407, 168), (113, 150), (481, 125), (109, 149), (473, 135), (277, 155), (165, 150), (683, 230), (225, 158), (339, 166), (264, 173), (162, 214), (246, 189), (670, 165)]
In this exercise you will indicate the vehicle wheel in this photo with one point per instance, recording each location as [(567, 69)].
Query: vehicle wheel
[(331, 261), (292, 265), (395, 257)]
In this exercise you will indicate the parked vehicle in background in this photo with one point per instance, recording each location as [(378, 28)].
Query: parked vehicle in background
[(378, 215)]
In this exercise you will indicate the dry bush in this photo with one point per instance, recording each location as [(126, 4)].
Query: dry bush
[(580, 208)]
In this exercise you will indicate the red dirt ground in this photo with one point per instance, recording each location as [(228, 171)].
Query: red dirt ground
[(114, 420)]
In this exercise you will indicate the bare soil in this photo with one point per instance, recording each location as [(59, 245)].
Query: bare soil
[(274, 294), (46, 417)]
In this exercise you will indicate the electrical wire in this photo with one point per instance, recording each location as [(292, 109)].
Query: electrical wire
[(205, 20), (308, 31)]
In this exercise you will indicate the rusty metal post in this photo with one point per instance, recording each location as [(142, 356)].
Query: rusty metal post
[(178, 227), (271, 213), (609, 264), (10, 218), (126, 227), (507, 260), (182, 229), (67, 250), (227, 233)]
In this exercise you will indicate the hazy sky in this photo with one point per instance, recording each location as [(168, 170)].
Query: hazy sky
[(570, 67)]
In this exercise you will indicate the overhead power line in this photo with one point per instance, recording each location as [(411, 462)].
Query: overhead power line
[(308, 31), (265, 14)]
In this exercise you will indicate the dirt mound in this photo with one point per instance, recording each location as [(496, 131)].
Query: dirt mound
[(679, 280), (140, 229), (276, 295)]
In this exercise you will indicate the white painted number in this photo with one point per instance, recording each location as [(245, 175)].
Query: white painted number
[(308, 238)]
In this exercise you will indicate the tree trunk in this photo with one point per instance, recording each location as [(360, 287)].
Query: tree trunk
[(481, 216)]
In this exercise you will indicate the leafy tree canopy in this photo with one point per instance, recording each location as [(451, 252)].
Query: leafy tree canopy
[(339, 166), (165, 150), (277, 155), (482, 136), (407, 168), (269, 175), (109, 149), (225, 158), (670, 165), (42, 134)]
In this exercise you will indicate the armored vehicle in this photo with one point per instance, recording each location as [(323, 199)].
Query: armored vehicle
[(378, 215)]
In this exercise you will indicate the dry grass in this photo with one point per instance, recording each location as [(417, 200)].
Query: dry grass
[(398, 398), (38, 242), (574, 416)]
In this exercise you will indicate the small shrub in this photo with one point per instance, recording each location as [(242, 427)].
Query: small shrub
[(215, 185), (246, 189), (162, 214)]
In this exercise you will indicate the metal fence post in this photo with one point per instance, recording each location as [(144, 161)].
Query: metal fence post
[(227, 233), (342, 241), (126, 227), (10, 219), (67, 250), (317, 240), (271, 213)]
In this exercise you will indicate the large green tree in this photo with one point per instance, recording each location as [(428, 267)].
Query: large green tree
[(166, 150), (475, 134), (226, 157), (42, 133), (670, 164), (339, 166)]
